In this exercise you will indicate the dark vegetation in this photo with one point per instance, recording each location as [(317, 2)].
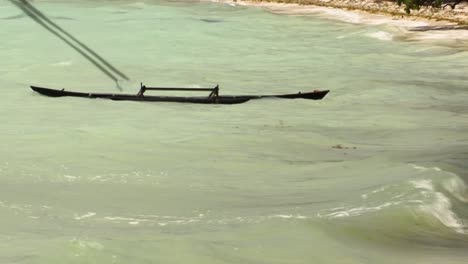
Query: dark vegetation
[(416, 4)]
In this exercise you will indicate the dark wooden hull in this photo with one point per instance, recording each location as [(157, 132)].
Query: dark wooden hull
[(222, 99)]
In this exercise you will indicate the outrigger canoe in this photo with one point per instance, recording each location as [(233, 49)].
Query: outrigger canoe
[(212, 98)]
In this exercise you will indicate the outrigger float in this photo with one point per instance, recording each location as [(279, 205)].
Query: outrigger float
[(212, 98)]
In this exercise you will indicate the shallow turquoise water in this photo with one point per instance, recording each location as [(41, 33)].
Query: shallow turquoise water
[(95, 181)]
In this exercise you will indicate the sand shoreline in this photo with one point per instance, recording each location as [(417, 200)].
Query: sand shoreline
[(459, 15), (443, 32)]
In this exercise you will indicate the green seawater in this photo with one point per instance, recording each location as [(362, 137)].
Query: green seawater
[(374, 173)]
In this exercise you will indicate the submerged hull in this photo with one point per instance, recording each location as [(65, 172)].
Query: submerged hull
[(222, 99)]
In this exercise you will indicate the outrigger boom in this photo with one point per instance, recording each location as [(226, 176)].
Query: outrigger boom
[(212, 98), (214, 91)]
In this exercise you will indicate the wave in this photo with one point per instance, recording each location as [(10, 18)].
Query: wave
[(423, 206), (441, 207), (418, 225), (457, 188)]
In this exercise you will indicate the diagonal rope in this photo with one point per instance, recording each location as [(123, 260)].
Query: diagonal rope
[(39, 14), (38, 17)]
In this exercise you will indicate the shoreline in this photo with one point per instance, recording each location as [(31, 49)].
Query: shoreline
[(459, 15), (411, 27)]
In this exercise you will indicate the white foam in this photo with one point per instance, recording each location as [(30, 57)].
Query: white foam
[(341, 15), (454, 185), (88, 215), (152, 219), (357, 211), (417, 167), (62, 63), (282, 216), (366, 195), (126, 219), (457, 188), (441, 209), (288, 216), (423, 184), (381, 35), (167, 216), (422, 168), (70, 178)]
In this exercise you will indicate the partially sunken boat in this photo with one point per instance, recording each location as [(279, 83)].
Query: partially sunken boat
[(212, 98)]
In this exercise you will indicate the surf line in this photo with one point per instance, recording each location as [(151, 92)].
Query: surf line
[(105, 67)]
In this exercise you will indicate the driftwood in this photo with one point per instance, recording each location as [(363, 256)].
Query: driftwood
[(452, 4)]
